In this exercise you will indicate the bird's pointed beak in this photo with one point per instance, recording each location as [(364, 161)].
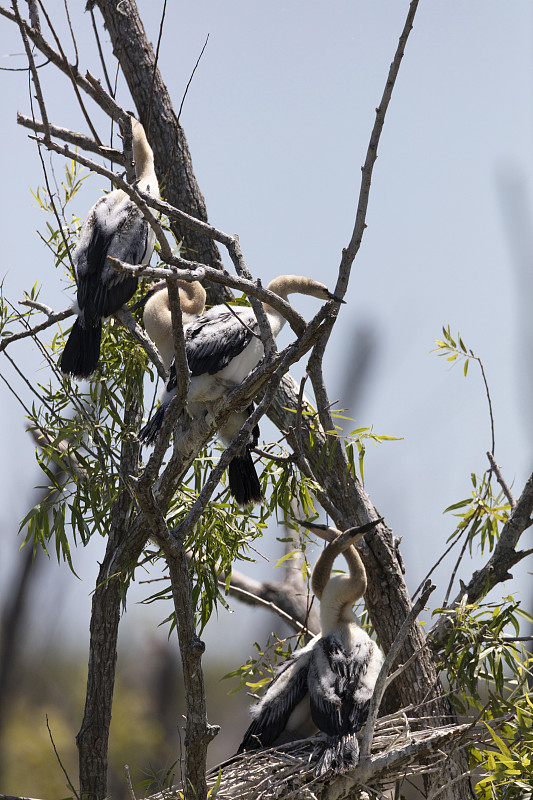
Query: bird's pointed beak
[(362, 529), (336, 298)]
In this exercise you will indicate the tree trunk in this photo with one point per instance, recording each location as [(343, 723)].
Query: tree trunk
[(173, 164)]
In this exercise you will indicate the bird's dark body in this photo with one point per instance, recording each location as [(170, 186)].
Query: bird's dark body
[(100, 292), (207, 354), (115, 227), (335, 675)]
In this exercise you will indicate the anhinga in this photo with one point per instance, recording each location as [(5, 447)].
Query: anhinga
[(326, 685), (116, 227), (157, 316), (223, 346)]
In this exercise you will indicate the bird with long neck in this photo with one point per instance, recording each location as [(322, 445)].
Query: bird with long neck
[(115, 227), (327, 685), (157, 316), (223, 346)]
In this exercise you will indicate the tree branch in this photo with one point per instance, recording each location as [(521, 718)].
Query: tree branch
[(496, 570), (77, 139), (391, 656), (275, 597), (198, 733)]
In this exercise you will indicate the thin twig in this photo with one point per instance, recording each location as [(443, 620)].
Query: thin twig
[(156, 59), (381, 682), (73, 137), (192, 76), (52, 319), (176, 127), (33, 70), (128, 782), (501, 560), (501, 480), (71, 70), (435, 565), (276, 459), (71, 785), (257, 600), (100, 51), (349, 253), (76, 63)]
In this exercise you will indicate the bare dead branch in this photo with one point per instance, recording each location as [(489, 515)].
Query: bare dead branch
[(501, 480), (381, 682), (33, 69), (77, 139), (90, 85), (71, 70), (33, 11), (198, 731), (156, 59), (257, 593), (52, 319)]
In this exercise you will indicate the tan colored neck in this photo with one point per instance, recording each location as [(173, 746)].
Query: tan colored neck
[(283, 286), (158, 318), (357, 570), (192, 297), (338, 594), (144, 160)]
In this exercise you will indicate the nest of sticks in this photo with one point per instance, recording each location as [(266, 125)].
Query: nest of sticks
[(401, 746)]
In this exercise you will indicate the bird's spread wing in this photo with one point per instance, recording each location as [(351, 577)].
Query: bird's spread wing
[(341, 683), (215, 339), (272, 712)]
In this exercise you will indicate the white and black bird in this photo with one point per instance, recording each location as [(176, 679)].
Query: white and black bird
[(327, 685), (114, 227), (223, 346), (157, 316)]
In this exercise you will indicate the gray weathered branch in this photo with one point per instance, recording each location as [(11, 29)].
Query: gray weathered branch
[(496, 570)]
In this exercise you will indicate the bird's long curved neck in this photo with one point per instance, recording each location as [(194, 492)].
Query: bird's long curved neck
[(144, 160), (337, 595), (158, 317), (283, 286)]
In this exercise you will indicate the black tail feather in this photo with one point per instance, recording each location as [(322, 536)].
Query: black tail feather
[(340, 753), (82, 350), (148, 433), (243, 481)]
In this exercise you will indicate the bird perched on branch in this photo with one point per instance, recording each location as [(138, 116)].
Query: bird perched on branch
[(223, 346), (116, 227), (328, 684), (157, 316)]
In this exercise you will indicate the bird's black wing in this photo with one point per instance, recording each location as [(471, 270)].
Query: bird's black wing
[(114, 227), (272, 712), (215, 339)]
